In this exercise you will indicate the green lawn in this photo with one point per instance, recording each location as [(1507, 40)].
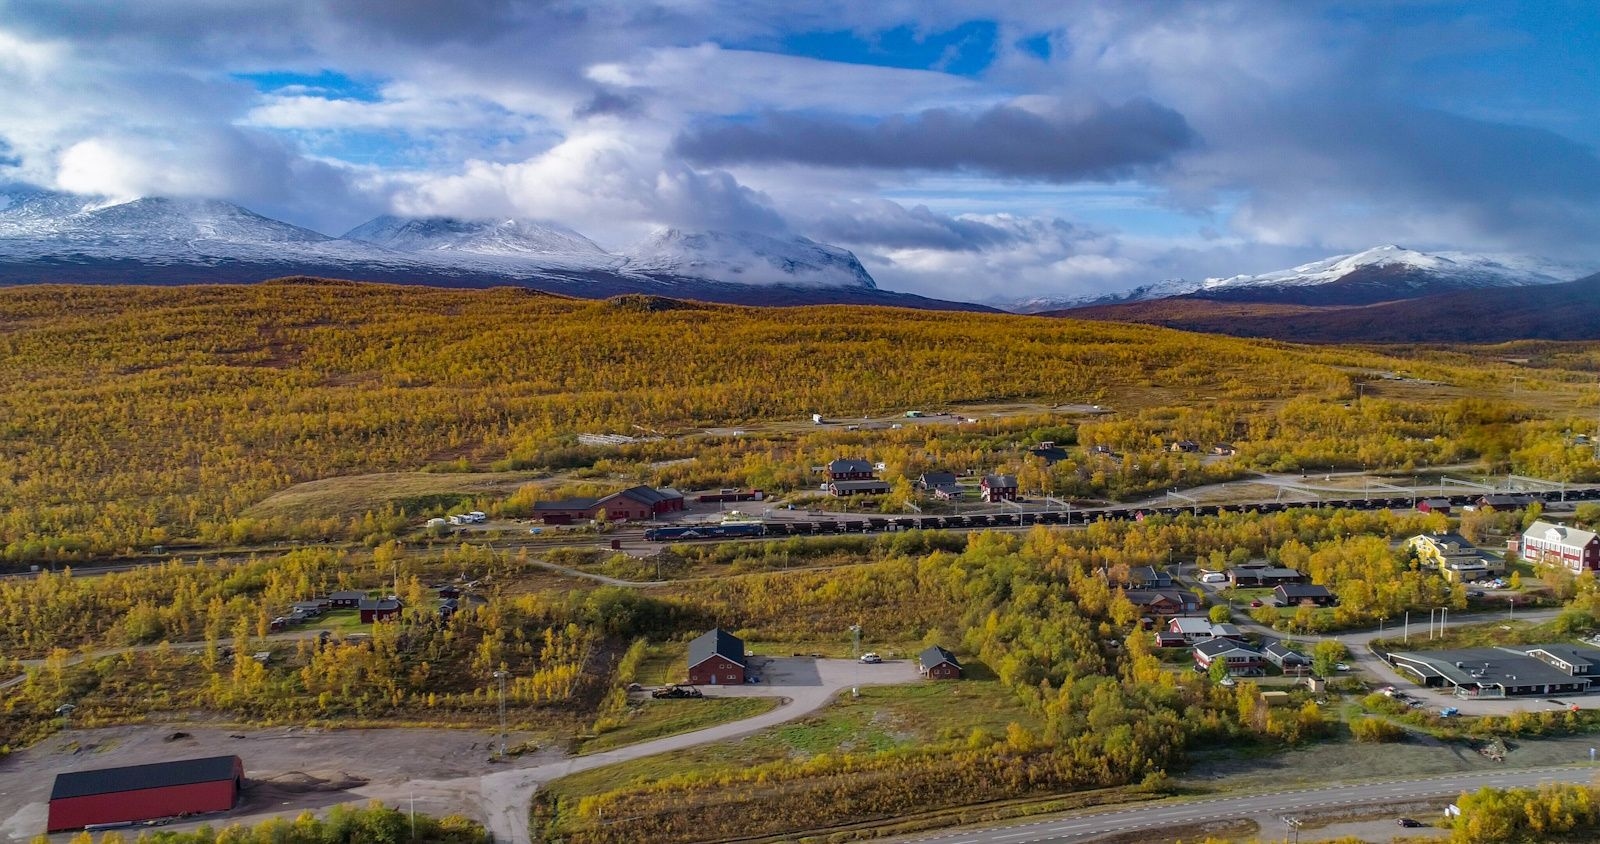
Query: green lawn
[(653, 719), (339, 621), (882, 718)]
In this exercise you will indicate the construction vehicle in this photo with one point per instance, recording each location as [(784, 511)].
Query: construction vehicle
[(675, 691)]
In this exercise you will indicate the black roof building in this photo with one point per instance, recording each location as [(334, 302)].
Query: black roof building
[(139, 777), (717, 642), (935, 655)]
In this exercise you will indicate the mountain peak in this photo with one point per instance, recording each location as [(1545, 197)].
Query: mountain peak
[(503, 237), (750, 258)]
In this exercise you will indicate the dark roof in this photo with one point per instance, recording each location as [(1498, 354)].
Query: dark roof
[(716, 642), (848, 464), (935, 655), (1502, 501), (647, 495), (349, 594), (1436, 502), (380, 604), (1571, 654), (1221, 645), (1300, 590), (1051, 454), (566, 504), (1284, 653), (1000, 481), (933, 480), (1145, 597), (136, 777)]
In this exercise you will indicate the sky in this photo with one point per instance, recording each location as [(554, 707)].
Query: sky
[(987, 151)]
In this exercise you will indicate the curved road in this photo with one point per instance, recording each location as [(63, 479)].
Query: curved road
[(506, 796), (1169, 814)]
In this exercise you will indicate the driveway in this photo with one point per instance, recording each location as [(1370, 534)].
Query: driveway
[(806, 685)]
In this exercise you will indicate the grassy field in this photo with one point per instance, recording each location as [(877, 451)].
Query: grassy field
[(882, 718), (340, 621), (353, 495), (653, 719)]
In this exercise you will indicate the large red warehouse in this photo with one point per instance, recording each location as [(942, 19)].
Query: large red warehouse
[(144, 792)]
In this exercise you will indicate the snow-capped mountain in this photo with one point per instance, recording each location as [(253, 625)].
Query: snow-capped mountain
[(1380, 274), (47, 236), (503, 238), (43, 225), (748, 258), (1462, 269), (1143, 293)]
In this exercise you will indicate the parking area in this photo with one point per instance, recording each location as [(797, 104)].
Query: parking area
[(792, 677)]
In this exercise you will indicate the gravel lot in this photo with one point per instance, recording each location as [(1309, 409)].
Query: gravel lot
[(290, 769)]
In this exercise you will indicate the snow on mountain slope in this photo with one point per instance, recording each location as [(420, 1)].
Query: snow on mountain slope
[(1383, 273), (1464, 269), (1143, 293), (748, 258), (47, 235), (507, 238), (44, 224)]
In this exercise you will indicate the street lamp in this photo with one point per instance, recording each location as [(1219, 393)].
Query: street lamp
[(501, 676)]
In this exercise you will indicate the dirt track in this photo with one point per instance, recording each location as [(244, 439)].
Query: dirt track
[(291, 769)]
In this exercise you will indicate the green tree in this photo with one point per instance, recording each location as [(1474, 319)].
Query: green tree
[(1327, 654), (1220, 614)]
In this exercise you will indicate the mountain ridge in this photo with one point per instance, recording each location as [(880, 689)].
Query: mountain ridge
[(47, 236)]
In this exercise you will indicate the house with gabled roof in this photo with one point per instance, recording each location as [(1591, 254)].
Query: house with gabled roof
[(930, 481), (998, 487), (717, 658), (936, 663), (1548, 542), (1285, 657), (1297, 594), (1241, 659), (850, 469)]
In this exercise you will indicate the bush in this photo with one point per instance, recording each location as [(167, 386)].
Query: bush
[(1376, 731)]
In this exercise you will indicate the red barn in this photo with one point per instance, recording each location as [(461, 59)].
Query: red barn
[(145, 792), (717, 659), (939, 664)]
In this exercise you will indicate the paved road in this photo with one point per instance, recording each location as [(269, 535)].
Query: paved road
[(1168, 814)]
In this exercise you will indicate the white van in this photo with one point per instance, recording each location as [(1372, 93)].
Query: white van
[(1213, 577)]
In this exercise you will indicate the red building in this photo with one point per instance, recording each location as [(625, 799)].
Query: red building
[(850, 469), (145, 792), (632, 504), (1547, 542), (936, 663), (379, 609), (717, 659), (998, 487)]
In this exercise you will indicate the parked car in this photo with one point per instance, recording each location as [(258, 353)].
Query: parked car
[(1475, 593), (1341, 666), (1409, 823), (1227, 681), (871, 658), (1255, 603), (1449, 712)]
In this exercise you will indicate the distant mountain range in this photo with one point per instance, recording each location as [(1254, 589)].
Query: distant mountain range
[(47, 236), (1384, 295), (1381, 274), (1564, 311)]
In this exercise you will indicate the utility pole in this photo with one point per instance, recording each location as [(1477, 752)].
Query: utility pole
[(501, 676)]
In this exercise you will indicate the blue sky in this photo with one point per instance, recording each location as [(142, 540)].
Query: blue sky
[(999, 150)]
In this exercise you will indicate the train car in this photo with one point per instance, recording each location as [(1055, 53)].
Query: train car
[(726, 530)]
